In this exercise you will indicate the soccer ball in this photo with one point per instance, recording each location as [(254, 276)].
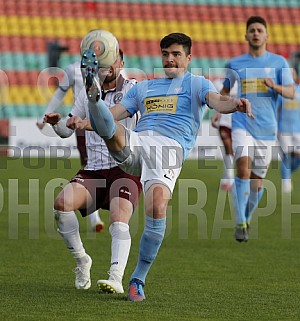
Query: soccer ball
[(105, 45)]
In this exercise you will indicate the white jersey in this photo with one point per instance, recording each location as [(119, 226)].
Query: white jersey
[(97, 152), (72, 79)]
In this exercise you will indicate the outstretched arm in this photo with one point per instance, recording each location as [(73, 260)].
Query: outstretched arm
[(76, 122), (227, 104), (58, 124), (119, 112)]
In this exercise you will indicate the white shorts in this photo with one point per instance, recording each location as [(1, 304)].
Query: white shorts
[(225, 120), (155, 158), (290, 143), (259, 151)]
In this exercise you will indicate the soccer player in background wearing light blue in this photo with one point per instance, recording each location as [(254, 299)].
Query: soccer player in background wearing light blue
[(162, 139), (289, 135), (261, 77)]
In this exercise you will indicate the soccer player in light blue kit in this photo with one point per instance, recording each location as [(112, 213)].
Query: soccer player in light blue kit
[(289, 135), (161, 141), (261, 76)]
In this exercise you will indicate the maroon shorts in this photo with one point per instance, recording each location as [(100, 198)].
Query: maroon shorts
[(105, 184), (80, 137)]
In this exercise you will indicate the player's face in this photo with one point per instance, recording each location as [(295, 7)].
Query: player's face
[(256, 35), (175, 60), (111, 73)]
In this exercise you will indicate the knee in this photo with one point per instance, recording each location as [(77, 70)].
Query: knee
[(156, 210), (120, 210), (243, 170), (120, 217), (63, 205), (156, 201)]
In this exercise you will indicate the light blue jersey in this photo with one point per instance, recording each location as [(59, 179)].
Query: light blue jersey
[(171, 107), (289, 113), (250, 73)]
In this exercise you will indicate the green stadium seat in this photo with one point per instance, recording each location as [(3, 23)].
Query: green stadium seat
[(131, 61), (9, 111), (147, 64), (21, 111), (35, 110)]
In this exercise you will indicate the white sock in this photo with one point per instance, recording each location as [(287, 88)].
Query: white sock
[(68, 228), (228, 167), (120, 247), (94, 218)]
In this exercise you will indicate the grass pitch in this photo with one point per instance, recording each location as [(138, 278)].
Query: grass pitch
[(201, 272)]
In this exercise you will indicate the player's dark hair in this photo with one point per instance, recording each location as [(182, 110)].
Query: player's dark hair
[(178, 38), (256, 19)]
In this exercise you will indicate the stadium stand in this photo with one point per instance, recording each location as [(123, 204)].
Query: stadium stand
[(216, 26)]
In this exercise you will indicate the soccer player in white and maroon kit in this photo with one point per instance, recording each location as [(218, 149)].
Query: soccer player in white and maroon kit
[(101, 184), (222, 122), (72, 79)]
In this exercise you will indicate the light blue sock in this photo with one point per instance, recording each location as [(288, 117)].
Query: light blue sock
[(151, 240), (102, 119), (240, 195), (253, 202), (295, 163), (286, 165)]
